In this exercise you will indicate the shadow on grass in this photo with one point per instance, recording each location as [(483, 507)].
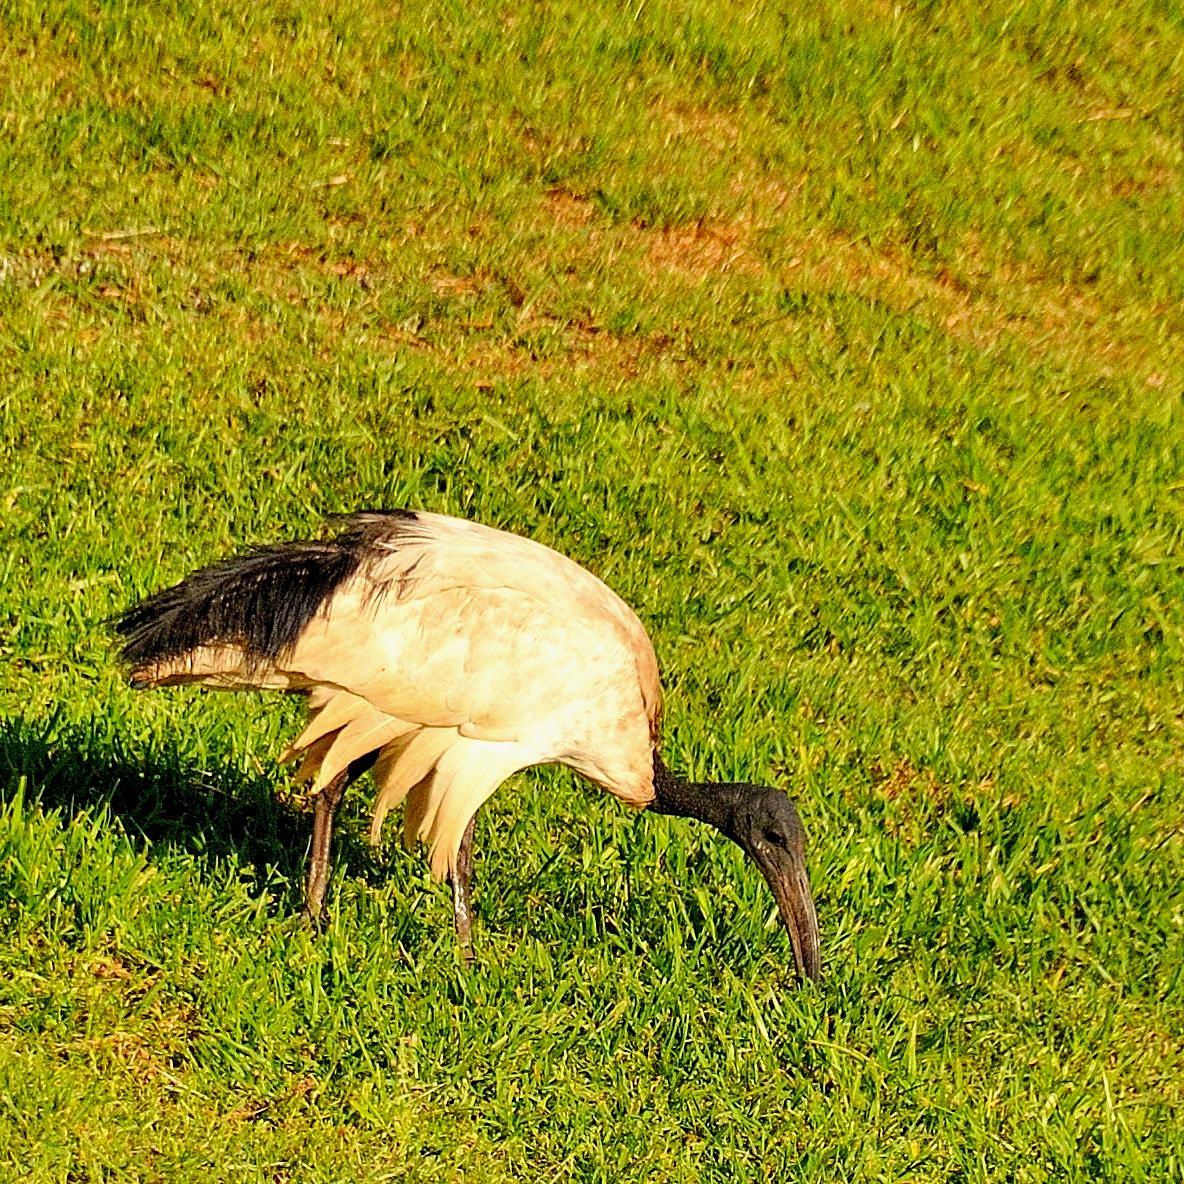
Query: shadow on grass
[(158, 798), (225, 815)]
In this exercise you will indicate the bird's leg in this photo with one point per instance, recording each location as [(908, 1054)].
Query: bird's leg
[(461, 880), (319, 862)]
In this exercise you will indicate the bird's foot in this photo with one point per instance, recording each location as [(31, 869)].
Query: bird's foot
[(314, 920)]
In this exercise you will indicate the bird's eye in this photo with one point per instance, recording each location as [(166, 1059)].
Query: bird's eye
[(775, 839)]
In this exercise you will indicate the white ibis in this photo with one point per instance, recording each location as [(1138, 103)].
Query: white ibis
[(446, 655)]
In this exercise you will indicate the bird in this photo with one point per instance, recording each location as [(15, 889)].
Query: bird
[(443, 656)]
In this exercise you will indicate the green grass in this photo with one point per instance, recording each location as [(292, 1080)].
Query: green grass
[(845, 342)]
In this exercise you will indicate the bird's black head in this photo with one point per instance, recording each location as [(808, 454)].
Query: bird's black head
[(766, 824)]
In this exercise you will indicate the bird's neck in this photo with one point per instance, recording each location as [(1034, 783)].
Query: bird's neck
[(704, 800)]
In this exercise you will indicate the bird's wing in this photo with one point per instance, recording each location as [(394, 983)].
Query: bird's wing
[(443, 554)]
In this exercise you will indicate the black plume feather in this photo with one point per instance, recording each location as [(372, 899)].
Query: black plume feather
[(262, 600)]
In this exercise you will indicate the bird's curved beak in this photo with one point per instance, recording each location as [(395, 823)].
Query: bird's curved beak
[(786, 876)]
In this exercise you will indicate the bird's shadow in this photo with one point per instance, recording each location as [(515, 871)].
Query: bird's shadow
[(228, 815), (161, 799)]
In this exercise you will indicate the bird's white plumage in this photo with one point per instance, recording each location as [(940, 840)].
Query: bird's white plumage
[(462, 654)]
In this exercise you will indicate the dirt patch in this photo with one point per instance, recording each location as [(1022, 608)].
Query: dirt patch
[(1148, 180), (568, 209), (914, 800), (444, 283), (699, 249)]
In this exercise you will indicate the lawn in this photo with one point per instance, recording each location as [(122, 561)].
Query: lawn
[(846, 342)]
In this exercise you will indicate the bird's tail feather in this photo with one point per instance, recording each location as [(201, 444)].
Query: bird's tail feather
[(366, 734), (414, 764), (445, 778), (328, 712), (466, 775), (406, 771)]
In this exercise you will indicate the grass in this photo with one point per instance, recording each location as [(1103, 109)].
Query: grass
[(845, 343)]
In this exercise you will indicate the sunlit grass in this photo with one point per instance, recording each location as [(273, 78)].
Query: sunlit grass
[(844, 343)]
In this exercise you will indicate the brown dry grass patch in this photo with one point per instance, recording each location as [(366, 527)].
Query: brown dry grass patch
[(904, 781), (698, 250), (979, 297), (546, 348), (988, 302), (568, 209)]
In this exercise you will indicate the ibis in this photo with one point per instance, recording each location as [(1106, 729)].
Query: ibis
[(443, 656)]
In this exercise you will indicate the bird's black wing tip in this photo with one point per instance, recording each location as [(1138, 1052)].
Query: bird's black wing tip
[(260, 600), (362, 529), (375, 514)]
